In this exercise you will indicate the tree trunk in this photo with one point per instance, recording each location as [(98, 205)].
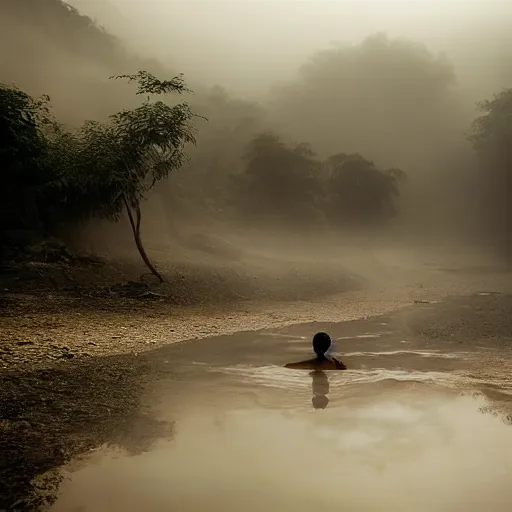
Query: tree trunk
[(135, 224)]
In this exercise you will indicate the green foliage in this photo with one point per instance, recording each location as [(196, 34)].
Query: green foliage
[(88, 180), (151, 138), (20, 137), (148, 84), (105, 168), (278, 179), (97, 170), (205, 190), (491, 136), (359, 193), (491, 132), (103, 164), (22, 159), (290, 183)]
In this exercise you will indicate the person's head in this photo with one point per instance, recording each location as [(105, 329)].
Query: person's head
[(321, 343)]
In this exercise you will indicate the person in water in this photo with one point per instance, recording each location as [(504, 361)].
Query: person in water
[(321, 344)]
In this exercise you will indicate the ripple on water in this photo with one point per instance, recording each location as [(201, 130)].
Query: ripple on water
[(421, 353), (388, 438)]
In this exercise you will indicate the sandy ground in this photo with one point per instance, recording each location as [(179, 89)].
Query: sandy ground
[(44, 329), (58, 399)]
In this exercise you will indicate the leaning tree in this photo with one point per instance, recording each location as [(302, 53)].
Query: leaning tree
[(108, 168)]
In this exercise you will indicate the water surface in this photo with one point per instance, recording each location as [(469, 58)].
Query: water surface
[(418, 423)]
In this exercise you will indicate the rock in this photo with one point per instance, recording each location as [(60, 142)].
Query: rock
[(22, 343), (50, 251), (131, 289), (24, 425), (67, 355)]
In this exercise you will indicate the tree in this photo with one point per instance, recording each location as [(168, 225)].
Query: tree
[(290, 183), (218, 155), (22, 156), (491, 136), (109, 167), (359, 193), (384, 98), (278, 179)]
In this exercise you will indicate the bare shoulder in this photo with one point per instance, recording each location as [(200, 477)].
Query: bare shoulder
[(338, 364), (302, 365), (315, 364)]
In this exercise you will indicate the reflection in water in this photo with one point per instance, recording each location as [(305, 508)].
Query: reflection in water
[(320, 387), (388, 449), (398, 436)]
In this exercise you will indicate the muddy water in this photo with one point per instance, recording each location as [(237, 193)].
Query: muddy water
[(418, 423)]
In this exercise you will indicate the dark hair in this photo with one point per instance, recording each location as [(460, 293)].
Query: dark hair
[(321, 343)]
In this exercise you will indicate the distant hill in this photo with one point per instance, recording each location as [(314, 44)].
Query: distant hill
[(48, 46), (113, 20)]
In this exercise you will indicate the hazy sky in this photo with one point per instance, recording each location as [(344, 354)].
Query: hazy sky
[(249, 44)]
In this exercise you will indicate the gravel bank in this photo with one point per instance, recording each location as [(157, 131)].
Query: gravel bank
[(41, 330)]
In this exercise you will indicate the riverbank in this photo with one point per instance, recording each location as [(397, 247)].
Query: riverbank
[(55, 412), (42, 328), (73, 344)]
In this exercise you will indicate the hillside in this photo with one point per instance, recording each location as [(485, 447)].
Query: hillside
[(65, 54)]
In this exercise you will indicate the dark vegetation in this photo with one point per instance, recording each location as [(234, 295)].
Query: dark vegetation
[(56, 176), (344, 190), (326, 151), (491, 136)]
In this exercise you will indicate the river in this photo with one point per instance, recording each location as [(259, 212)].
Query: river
[(419, 422)]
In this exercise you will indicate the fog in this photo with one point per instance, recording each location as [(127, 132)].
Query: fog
[(334, 177), (393, 81), (248, 45)]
